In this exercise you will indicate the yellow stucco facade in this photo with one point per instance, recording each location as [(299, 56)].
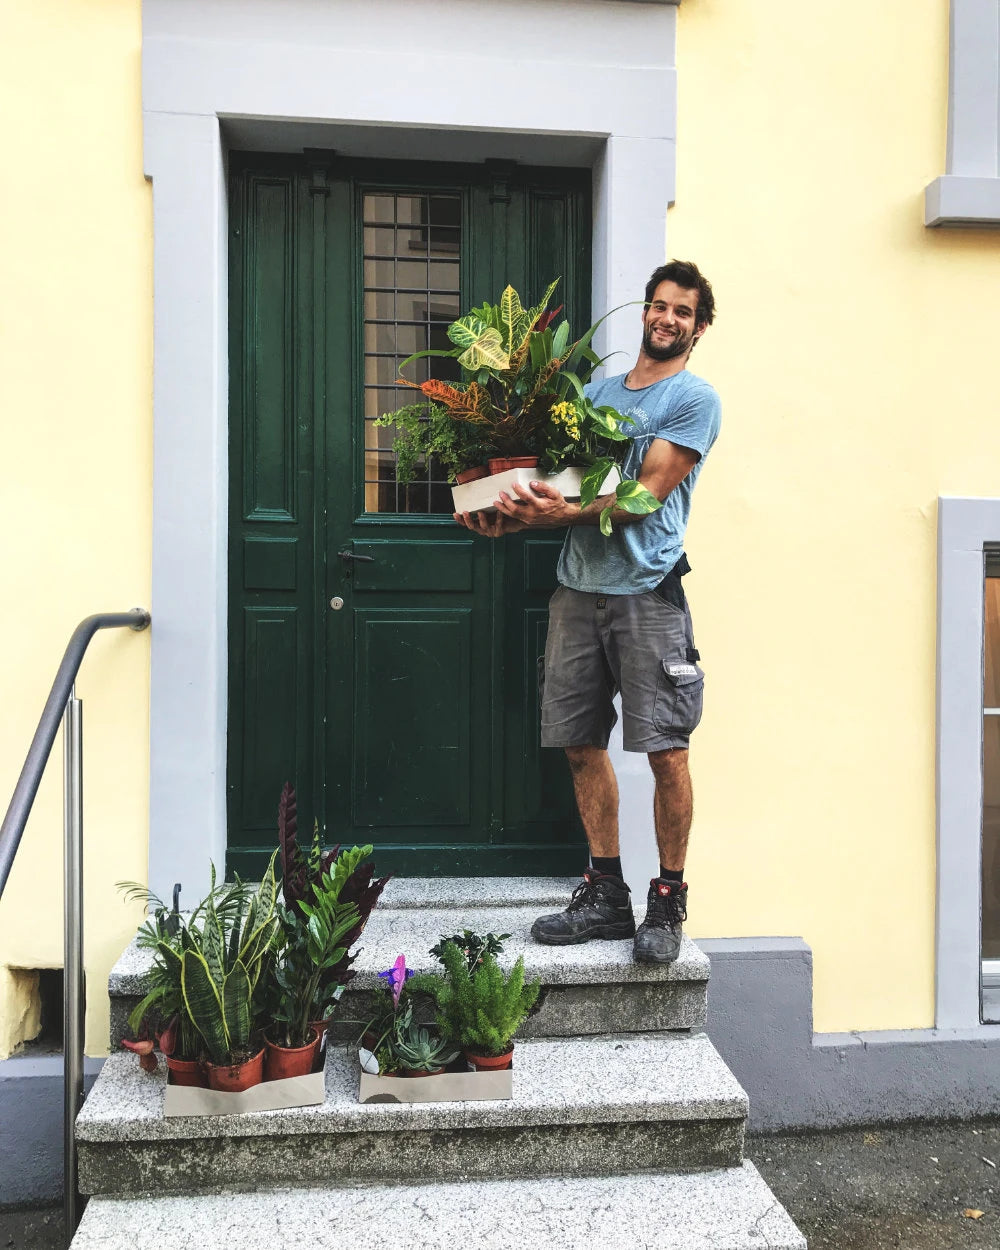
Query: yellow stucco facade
[(854, 350), (75, 468)]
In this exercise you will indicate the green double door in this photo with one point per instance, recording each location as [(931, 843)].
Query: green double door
[(383, 659)]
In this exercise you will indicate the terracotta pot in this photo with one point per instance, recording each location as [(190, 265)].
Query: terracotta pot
[(186, 1072), (490, 1063), (422, 1072), (471, 475), (285, 1061), (500, 464), (231, 1078)]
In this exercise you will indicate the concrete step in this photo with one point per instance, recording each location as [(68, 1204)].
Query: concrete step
[(581, 1106), (724, 1209), (588, 989)]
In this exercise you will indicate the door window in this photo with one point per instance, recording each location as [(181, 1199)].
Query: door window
[(412, 292)]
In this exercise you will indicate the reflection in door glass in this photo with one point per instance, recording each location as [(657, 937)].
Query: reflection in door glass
[(991, 761), (412, 286)]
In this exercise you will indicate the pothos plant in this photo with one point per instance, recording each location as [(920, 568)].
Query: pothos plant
[(521, 392)]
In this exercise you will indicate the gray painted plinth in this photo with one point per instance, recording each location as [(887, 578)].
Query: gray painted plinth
[(580, 1106), (760, 1018), (724, 1209)]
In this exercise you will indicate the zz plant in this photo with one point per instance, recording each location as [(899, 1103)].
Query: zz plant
[(312, 943)]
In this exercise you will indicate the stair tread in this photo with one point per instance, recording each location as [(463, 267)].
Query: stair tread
[(722, 1209), (412, 931), (627, 1078), (390, 932)]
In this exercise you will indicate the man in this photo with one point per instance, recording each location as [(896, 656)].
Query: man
[(619, 622)]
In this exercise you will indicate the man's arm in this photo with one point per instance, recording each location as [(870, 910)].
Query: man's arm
[(664, 466)]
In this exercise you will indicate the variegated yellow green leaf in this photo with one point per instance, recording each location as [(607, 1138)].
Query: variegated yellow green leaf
[(487, 352), (236, 996), (204, 1005), (467, 330), (633, 497)]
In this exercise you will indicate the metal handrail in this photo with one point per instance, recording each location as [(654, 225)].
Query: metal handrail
[(63, 705)]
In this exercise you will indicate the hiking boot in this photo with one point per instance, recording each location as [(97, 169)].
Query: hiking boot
[(658, 938), (600, 908)]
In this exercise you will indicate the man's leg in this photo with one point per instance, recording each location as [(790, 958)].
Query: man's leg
[(578, 715), (596, 788), (672, 806), (600, 907), (658, 938)]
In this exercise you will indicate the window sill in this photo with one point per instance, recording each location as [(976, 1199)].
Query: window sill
[(956, 201)]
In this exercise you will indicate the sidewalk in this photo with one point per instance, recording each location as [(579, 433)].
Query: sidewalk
[(903, 1187)]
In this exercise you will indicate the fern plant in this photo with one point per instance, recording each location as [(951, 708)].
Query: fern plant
[(481, 1010)]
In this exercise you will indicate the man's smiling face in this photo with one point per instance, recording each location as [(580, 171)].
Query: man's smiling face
[(669, 328)]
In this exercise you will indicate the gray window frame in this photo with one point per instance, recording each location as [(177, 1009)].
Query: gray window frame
[(965, 528)]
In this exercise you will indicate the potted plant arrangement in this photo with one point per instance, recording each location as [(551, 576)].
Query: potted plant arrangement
[(520, 403), (477, 1010), (246, 974), (205, 968)]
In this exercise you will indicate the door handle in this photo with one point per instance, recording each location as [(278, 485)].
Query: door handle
[(348, 556)]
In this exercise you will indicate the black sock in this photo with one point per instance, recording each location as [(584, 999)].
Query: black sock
[(667, 875), (610, 864)]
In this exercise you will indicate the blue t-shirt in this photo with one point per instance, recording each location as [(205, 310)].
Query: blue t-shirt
[(636, 557)]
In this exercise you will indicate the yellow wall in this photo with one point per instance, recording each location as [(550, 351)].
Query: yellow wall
[(856, 354), (75, 460)]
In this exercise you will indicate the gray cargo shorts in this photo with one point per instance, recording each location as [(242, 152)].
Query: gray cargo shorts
[(600, 645)]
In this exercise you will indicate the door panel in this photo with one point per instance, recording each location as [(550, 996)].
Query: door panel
[(412, 718), (407, 714), (272, 608)]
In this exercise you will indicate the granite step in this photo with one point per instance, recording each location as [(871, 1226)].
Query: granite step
[(581, 1107), (722, 1209), (593, 988)]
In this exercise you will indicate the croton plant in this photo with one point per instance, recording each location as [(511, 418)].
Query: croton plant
[(521, 392)]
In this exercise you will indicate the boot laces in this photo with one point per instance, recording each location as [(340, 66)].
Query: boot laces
[(585, 895), (665, 911)]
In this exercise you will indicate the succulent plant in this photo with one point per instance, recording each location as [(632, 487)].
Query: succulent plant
[(421, 1051)]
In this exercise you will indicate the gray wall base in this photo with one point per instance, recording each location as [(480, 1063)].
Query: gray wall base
[(760, 1020), (31, 1114)]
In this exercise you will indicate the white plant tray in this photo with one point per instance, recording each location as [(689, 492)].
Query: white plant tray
[(447, 1087), (292, 1091), (481, 495)]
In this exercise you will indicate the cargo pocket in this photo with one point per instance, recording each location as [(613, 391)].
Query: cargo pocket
[(680, 694)]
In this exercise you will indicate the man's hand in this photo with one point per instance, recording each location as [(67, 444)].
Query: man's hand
[(489, 524), (538, 507)]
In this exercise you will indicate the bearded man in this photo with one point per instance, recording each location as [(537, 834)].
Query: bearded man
[(619, 622)]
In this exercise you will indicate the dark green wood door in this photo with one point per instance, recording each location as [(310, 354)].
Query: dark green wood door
[(382, 658)]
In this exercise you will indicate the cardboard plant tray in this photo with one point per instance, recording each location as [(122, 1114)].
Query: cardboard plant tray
[(481, 495), (448, 1087), (293, 1091)]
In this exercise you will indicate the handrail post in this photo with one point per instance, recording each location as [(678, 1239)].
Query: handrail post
[(73, 1005)]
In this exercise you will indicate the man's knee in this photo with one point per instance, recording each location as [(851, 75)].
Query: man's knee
[(670, 765), (582, 758)]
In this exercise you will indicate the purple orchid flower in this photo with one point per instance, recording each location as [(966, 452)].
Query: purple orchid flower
[(397, 976)]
